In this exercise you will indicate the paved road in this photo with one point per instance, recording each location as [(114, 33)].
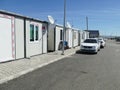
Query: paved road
[(76, 72)]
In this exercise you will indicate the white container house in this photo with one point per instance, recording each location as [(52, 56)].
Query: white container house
[(21, 36), (44, 37), (59, 36), (51, 37), (75, 37), (36, 37), (69, 37), (55, 35), (79, 37), (85, 35)]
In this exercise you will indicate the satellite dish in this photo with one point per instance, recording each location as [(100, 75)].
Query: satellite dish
[(51, 20), (68, 25)]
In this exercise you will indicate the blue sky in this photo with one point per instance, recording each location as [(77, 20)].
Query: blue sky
[(103, 15)]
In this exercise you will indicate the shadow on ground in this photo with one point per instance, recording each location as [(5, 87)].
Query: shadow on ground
[(117, 42), (84, 53)]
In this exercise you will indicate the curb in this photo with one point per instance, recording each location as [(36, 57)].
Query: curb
[(5, 80)]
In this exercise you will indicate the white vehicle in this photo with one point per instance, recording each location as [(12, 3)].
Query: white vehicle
[(90, 45), (102, 42)]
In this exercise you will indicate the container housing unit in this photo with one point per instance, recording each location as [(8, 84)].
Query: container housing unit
[(69, 37), (75, 35), (21, 36), (55, 36), (79, 37), (85, 35)]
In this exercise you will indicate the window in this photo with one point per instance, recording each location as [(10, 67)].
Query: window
[(31, 32), (34, 32)]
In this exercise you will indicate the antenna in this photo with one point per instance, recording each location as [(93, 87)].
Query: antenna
[(68, 25), (50, 19)]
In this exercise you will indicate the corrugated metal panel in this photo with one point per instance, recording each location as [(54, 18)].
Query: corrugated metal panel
[(19, 33), (51, 37), (44, 35), (58, 35)]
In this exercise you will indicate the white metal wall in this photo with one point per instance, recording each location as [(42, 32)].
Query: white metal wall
[(57, 38), (33, 48), (85, 33), (51, 37), (44, 35), (75, 38), (7, 38), (83, 36), (19, 34), (69, 37), (79, 37)]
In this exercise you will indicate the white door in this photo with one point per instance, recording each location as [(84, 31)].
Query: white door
[(7, 46), (33, 38)]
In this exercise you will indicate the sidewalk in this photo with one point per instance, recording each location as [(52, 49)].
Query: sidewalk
[(14, 69)]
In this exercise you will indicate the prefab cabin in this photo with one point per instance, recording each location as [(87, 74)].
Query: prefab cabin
[(75, 37), (44, 37), (51, 37), (21, 36), (79, 37), (59, 37), (36, 37), (55, 36), (85, 35), (69, 36)]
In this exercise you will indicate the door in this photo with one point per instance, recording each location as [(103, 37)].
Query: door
[(7, 40), (33, 38)]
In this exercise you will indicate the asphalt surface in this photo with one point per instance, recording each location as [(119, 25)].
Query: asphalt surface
[(77, 72)]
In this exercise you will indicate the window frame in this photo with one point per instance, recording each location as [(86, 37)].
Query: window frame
[(31, 33), (34, 32)]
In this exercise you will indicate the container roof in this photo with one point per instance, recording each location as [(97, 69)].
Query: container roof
[(21, 16)]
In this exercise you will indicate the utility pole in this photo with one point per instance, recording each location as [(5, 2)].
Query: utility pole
[(86, 23), (64, 22)]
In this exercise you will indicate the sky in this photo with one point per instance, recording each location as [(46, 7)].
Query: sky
[(103, 15)]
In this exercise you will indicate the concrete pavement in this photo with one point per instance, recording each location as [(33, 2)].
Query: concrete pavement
[(14, 69), (81, 71)]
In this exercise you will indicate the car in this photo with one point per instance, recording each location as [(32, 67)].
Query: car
[(91, 45), (102, 42)]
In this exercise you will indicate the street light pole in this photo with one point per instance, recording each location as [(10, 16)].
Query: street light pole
[(87, 23), (64, 22)]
